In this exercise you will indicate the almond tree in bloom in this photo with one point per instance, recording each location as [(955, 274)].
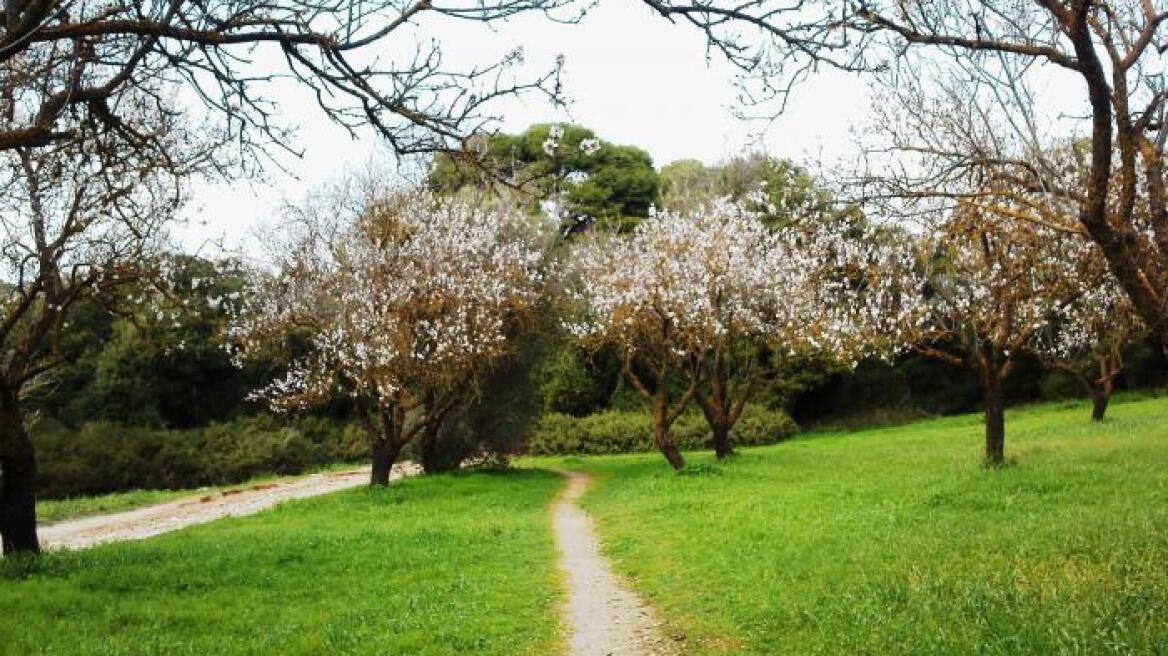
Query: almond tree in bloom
[(687, 298), (638, 295), (987, 67), (737, 268), (402, 303), (974, 293), (1088, 338)]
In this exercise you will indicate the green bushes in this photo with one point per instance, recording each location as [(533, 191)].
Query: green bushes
[(620, 431), (102, 457)]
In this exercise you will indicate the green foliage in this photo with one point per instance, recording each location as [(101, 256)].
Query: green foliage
[(614, 186), (913, 385), (432, 565), (102, 457), (159, 368), (895, 541), (575, 382), (625, 431), (791, 193), (497, 419)]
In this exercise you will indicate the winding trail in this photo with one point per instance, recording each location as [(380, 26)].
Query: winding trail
[(603, 616), (154, 520)]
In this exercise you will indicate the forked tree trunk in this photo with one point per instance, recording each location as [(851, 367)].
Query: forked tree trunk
[(1101, 397), (995, 421), (718, 413), (437, 410), (1098, 390), (385, 452), (18, 471)]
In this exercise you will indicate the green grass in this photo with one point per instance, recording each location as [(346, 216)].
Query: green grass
[(433, 565), (896, 540), (55, 510)]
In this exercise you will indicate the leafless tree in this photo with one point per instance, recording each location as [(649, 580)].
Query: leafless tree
[(367, 62), (82, 219)]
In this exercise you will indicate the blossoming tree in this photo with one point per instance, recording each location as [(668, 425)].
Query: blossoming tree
[(1088, 339), (976, 294), (688, 298), (638, 295), (402, 303)]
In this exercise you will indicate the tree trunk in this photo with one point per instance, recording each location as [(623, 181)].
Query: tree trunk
[(718, 413), (661, 430), (995, 422), (1100, 397), (433, 461), (719, 421), (385, 452), (18, 471), (668, 448), (722, 446), (1099, 406)]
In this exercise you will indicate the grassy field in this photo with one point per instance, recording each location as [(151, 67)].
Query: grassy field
[(55, 510), (895, 541), (438, 565)]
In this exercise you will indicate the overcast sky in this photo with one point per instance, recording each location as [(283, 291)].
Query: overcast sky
[(633, 78)]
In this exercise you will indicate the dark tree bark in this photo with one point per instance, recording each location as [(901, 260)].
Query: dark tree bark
[(1098, 390), (721, 421), (433, 460), (722, 446), (385, 429), (18, 470), (1100, 397), (995, 421), (437, 409), (718, 408), (385, 452), (669, 448), (1099, 406), (661, 423)]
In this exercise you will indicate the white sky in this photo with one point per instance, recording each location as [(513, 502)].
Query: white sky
[(633, 78)]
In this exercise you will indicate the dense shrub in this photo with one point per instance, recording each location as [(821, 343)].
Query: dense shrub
[(624, 431), (102, 457)]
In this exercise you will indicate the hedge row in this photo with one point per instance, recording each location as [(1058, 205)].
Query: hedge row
[(100, 457), (623, 431)]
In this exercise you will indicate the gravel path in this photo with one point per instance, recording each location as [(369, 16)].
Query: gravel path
[(603, 616), (153, 520)]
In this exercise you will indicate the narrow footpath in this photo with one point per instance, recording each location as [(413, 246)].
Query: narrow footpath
[(153, 520), (603, 617)]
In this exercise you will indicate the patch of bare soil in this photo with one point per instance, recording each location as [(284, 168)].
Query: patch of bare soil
[(603, 616), (153, 520)]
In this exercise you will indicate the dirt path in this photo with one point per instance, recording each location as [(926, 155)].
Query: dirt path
[(603, 616), (153, 520)]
